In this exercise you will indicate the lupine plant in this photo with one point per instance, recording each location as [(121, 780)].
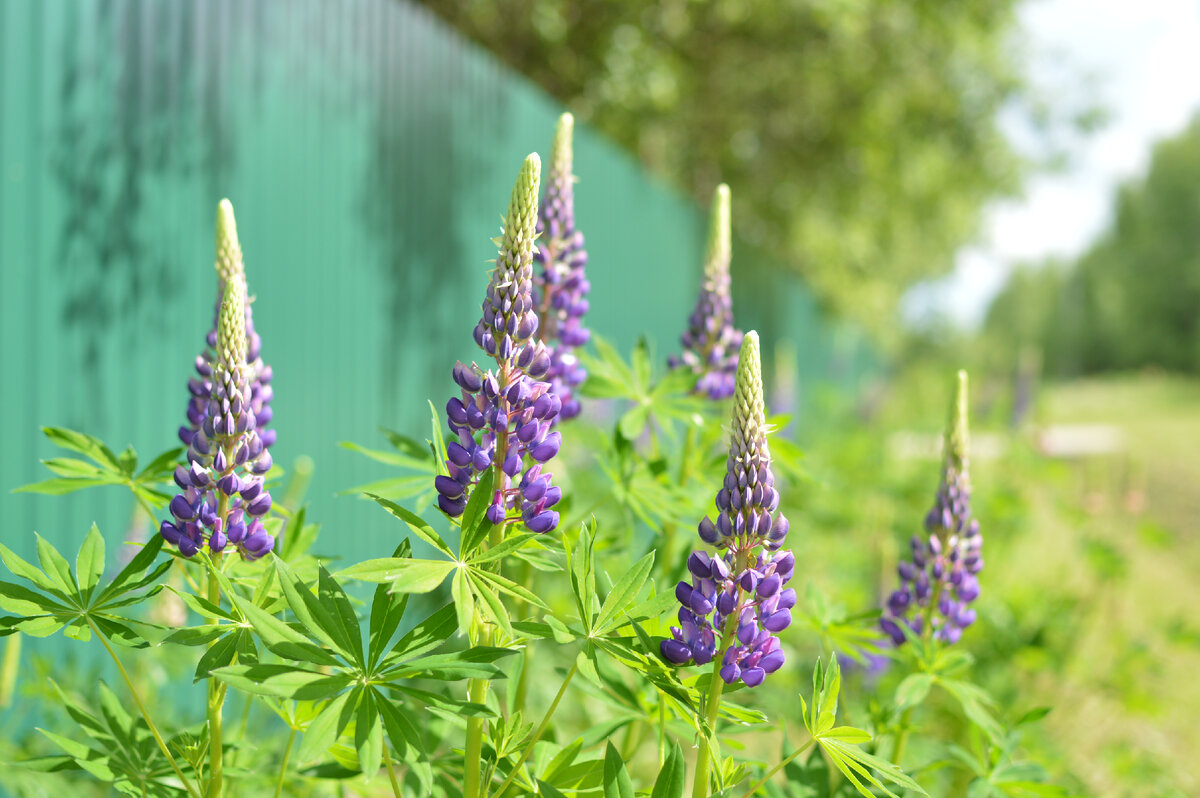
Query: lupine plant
[(553, 650)]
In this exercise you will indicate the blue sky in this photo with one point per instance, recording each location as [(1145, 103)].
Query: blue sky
[(1141, 62)]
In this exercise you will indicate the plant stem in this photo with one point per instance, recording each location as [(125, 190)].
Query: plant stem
[(387, 760), (472, 754), (537, 735), (142, 708), (287, 752), (712, 705), (782, 764), (216, 700), (902, 737)]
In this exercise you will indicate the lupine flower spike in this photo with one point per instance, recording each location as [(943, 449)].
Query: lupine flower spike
[(939, 584), (737, 600), (222, 500), (711, 342), (560, 286), (502, 418), (229, 265)]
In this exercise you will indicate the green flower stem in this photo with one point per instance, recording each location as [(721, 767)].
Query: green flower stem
[(142, 708), (216, 696), (473, 754), (287, 752), (662, 731), (537, 735), (782, 764), (712, 706), (391, 771), (902, 736)]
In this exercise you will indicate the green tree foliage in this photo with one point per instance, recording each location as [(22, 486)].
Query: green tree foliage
[(1133, 299), (860, 138)]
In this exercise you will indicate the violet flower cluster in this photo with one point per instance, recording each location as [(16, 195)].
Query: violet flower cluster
[(229, 264), (502, 418), (560, 285), (710, 343), (222, 499), (737, 600), (939, 584)]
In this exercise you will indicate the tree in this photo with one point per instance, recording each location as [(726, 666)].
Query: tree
[(860, 139)]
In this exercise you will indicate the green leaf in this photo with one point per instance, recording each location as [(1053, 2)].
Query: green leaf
[(323, 732), (417, 525), (464, 600), (471, 663), (425, 636), (83, 444), (913, 689), (406, 575), (847, 734), (486, 600), (218, 655), (624, 592), (89, 564), (368, 735), (60, 487), (23, 601), (343, 622), (475, 524), (161, 467), (507, 546), (25, 570), (506, 585), (407, 741), (634, 421), (386, 612), (616, 778), (283, 681), (671, 779), (56, 567), (854, 763), (125, 581)]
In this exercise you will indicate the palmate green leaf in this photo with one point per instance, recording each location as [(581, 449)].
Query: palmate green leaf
[(26, 571), (23, 601), (471, 663), (424, 637), (387, 610), (368, 735), (218, 655), (616, 778), (624, 593), (405, 575), (608, 375), (856, 764), (506, 585), (71, 468), (417, 525), (89, 565), (407, 740), (976, 705), (311, 612), (463, 594), (486, 600), (913, 690), (283, 681), (509, 545), (671, 779), (160, 468), (84, 444), (55, 566), (133, 576), (475, 524), (326, 727), (342, 620), (401, 460)]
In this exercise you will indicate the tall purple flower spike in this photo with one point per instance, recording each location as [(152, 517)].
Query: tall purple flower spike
[(737, 601), (560, 286), (229, 264), (711, 342), (939, 584), (502, 418), (222, 501)]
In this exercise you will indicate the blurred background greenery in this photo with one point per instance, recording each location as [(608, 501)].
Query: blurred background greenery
[(866, 144)]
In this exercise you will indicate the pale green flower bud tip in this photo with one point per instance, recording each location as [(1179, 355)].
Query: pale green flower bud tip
[(231, 327), (561, 154), (521, 220), (229, 251), (748, 386), (957, 434), (717, 256)]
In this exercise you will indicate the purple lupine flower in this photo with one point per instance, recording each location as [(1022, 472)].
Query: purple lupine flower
[(560, 286), (711, 342), (222, 499), (938, 585), (737, 600), (229, 264), (502, 418)]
